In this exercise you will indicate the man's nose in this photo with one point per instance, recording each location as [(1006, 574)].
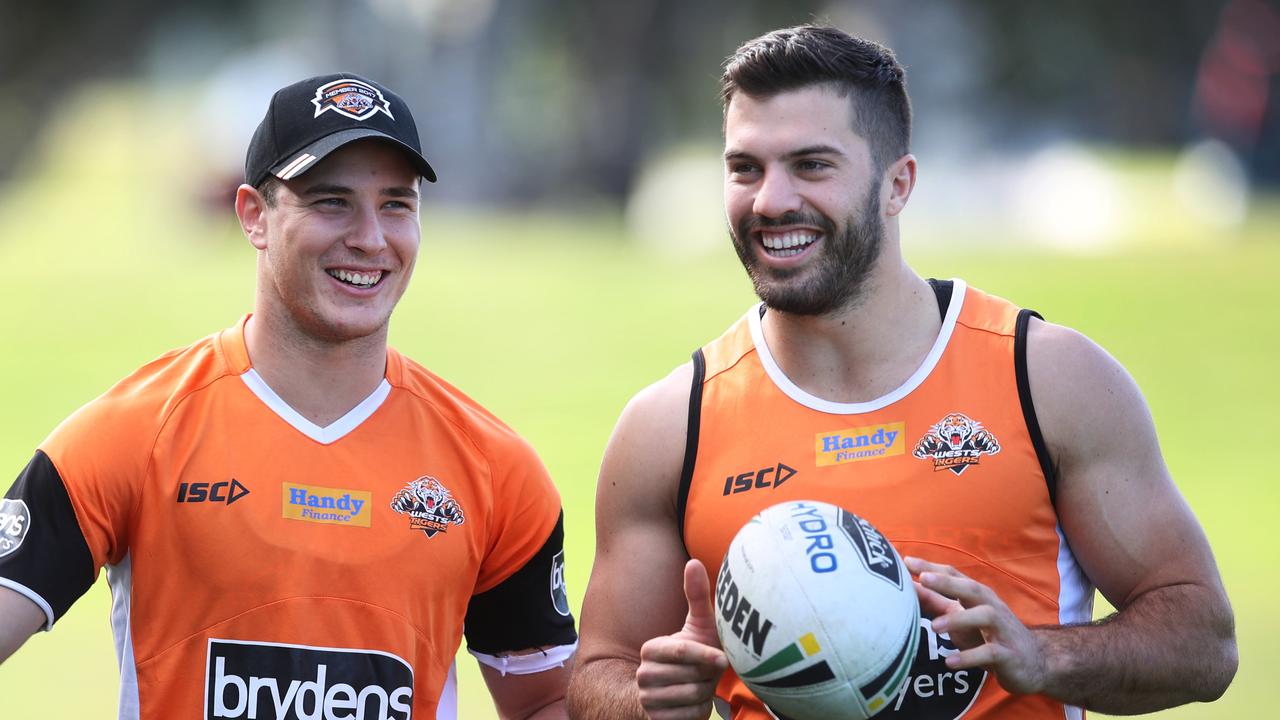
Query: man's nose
[(367, 234), (776, 195)]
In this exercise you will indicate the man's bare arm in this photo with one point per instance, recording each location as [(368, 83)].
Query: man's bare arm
[(19, 619), (1172, 640), (529, 696), (634, 606)]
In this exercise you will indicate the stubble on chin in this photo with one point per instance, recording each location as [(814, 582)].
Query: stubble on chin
[(835, 280), (312, 324)]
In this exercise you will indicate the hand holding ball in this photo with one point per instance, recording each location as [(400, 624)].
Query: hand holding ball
[(816, 612)]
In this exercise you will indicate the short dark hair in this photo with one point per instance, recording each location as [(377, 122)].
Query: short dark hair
[(267, 189), (867, 72)]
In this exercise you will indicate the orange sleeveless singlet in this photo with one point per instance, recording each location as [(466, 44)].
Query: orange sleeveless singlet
[(950, 466)]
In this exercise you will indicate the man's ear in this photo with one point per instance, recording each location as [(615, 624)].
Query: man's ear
[(901, 178), (251, 209)]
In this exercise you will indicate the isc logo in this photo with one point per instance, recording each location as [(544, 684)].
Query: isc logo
[(221, 492), (762, 478)]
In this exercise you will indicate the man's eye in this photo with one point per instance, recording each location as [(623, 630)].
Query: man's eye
[(331, 202)]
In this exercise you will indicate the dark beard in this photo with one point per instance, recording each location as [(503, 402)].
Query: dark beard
[(838, 280)]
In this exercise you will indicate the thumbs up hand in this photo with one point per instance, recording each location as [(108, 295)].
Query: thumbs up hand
[(678, 673)]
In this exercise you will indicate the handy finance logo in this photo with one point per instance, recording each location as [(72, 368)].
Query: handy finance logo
[(837, 447), (329, 506)]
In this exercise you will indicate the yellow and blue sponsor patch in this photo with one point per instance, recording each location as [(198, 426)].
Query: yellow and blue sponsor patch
[(872, 442), (332, 506)]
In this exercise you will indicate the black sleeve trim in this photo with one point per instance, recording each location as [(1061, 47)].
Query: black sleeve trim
[(527, 610), (44, 551), (942, 291), (1028, 407), (691, 437)]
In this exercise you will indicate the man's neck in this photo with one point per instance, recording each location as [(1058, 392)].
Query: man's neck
[(863, 352), (321, 380)]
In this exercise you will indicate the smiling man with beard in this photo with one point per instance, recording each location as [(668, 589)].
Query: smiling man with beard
[(1016, 463)]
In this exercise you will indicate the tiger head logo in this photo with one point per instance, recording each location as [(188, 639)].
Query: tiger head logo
[(429, 505), (955, 429), (955, 442)]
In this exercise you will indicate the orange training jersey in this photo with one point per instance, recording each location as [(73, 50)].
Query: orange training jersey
[(264, 567), (946, 466)]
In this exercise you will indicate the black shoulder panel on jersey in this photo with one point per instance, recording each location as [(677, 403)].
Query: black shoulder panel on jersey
[(1028, 407), (527, 610), (691, 436), (942, 290), (45, 551)]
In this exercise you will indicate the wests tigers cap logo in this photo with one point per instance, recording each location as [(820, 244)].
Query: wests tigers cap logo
[(356, 99), (309, 119)]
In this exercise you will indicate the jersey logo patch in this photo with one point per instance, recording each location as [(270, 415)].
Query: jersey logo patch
[(15, 519), (255, 680), (955, 443), (772, 476), (429, 505), (220, 492), (356, 100), (837, 447), (559, 596), (932, 690), (331, 506)]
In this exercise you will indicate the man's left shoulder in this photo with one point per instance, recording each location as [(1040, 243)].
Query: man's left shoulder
[(1066, 353), (1083, 396), (492, 436)]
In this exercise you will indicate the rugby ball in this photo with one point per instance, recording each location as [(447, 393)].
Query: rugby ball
[(816, 612)]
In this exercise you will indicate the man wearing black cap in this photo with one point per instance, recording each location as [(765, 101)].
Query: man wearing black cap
[(296, 520)]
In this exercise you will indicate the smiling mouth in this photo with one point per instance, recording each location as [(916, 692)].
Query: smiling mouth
[(357, 279), (781, 245)]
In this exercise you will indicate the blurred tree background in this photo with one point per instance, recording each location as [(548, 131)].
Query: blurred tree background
[(564, 101)]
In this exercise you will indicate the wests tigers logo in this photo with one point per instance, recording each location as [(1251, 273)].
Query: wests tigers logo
[(955, 443), (429, 505), (355, 99)]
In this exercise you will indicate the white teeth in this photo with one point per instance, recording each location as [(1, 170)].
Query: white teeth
[(355, 278), (785, 241)]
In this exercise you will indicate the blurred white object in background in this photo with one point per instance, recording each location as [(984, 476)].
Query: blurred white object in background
[(1210, 183), (677, 204), (1067, 197)]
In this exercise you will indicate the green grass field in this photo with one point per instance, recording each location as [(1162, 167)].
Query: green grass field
[(553, 322)]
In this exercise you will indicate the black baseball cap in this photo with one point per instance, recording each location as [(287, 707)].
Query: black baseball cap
[(311, 118)]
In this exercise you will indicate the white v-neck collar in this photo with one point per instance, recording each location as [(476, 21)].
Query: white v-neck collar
[(814, 402), (328, 434)]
